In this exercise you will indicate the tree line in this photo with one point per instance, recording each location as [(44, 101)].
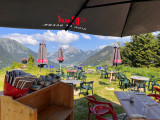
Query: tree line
[(142, 51)]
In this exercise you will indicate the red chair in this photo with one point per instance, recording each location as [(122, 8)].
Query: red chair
[(92, 102), (156, 96), (98, 108)]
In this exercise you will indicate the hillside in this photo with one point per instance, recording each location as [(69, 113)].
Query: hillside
[(6, 58), (72, 55), (100, 57), (11, 50), (17, 50)]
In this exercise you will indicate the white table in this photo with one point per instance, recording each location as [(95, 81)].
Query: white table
[(111, 78), (74, 82), (111, 74), (139, 79)]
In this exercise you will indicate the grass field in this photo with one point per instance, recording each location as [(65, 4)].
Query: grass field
[(101, 94)]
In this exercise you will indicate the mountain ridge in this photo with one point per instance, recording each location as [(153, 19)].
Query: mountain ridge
[(100, 57), (15, 51), (72, 55)]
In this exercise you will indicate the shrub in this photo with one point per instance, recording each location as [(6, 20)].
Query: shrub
[(16, 65)]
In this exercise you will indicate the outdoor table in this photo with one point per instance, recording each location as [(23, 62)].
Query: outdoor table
[(71, 72), (74, 82), (59, 72), (111, 74), (139, 79), (74, 71), (140, 101), (111, 78)]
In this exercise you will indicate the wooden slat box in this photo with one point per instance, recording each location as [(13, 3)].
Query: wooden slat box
[(51, 103)]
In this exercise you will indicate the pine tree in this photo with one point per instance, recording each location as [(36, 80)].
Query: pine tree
[(157, 50), (139, 52), (30, 61)]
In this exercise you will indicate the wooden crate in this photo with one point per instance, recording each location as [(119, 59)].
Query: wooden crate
[(51, 103)]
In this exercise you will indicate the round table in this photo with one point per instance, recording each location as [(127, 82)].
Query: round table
[(111, 74), (71, 72), (74, 82), (111, 78)]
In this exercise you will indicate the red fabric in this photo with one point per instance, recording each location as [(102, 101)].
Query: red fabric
[(60, 59), (117, 61), (42, 60)]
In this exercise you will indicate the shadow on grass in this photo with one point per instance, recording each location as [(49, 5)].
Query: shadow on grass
[(81, 107), (102, 83)]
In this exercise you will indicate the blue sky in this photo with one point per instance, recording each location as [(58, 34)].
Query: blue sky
[(58, 38)]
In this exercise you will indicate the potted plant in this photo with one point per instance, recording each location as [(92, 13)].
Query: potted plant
[(24, 60)]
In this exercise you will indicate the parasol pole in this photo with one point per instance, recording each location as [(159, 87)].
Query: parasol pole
[(111, 76), (60, 66)]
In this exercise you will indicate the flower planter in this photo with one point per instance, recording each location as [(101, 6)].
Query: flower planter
[(24, 61)]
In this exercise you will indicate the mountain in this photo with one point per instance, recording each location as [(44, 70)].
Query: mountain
[(72, 55), (100, 57), (5, 58), (11, 50), (121, 43), (16, 49)]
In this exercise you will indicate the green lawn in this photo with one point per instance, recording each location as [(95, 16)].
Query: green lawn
[(80, 102)]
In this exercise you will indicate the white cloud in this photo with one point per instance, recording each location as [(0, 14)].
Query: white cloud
[(156, 33), (113, 38), (21, 38), (53, 47), (100, 37), (85, 36), (101, 46), (107, 37), (62, 37), (117, 39), (128, 37), (64, 46)]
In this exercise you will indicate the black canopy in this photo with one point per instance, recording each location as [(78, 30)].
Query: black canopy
[(100, 17)]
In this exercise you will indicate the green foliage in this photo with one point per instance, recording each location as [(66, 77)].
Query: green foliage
[(140, 51), (157, 50), (31, 59), (16, 65), (30, 63), (142, 71)]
